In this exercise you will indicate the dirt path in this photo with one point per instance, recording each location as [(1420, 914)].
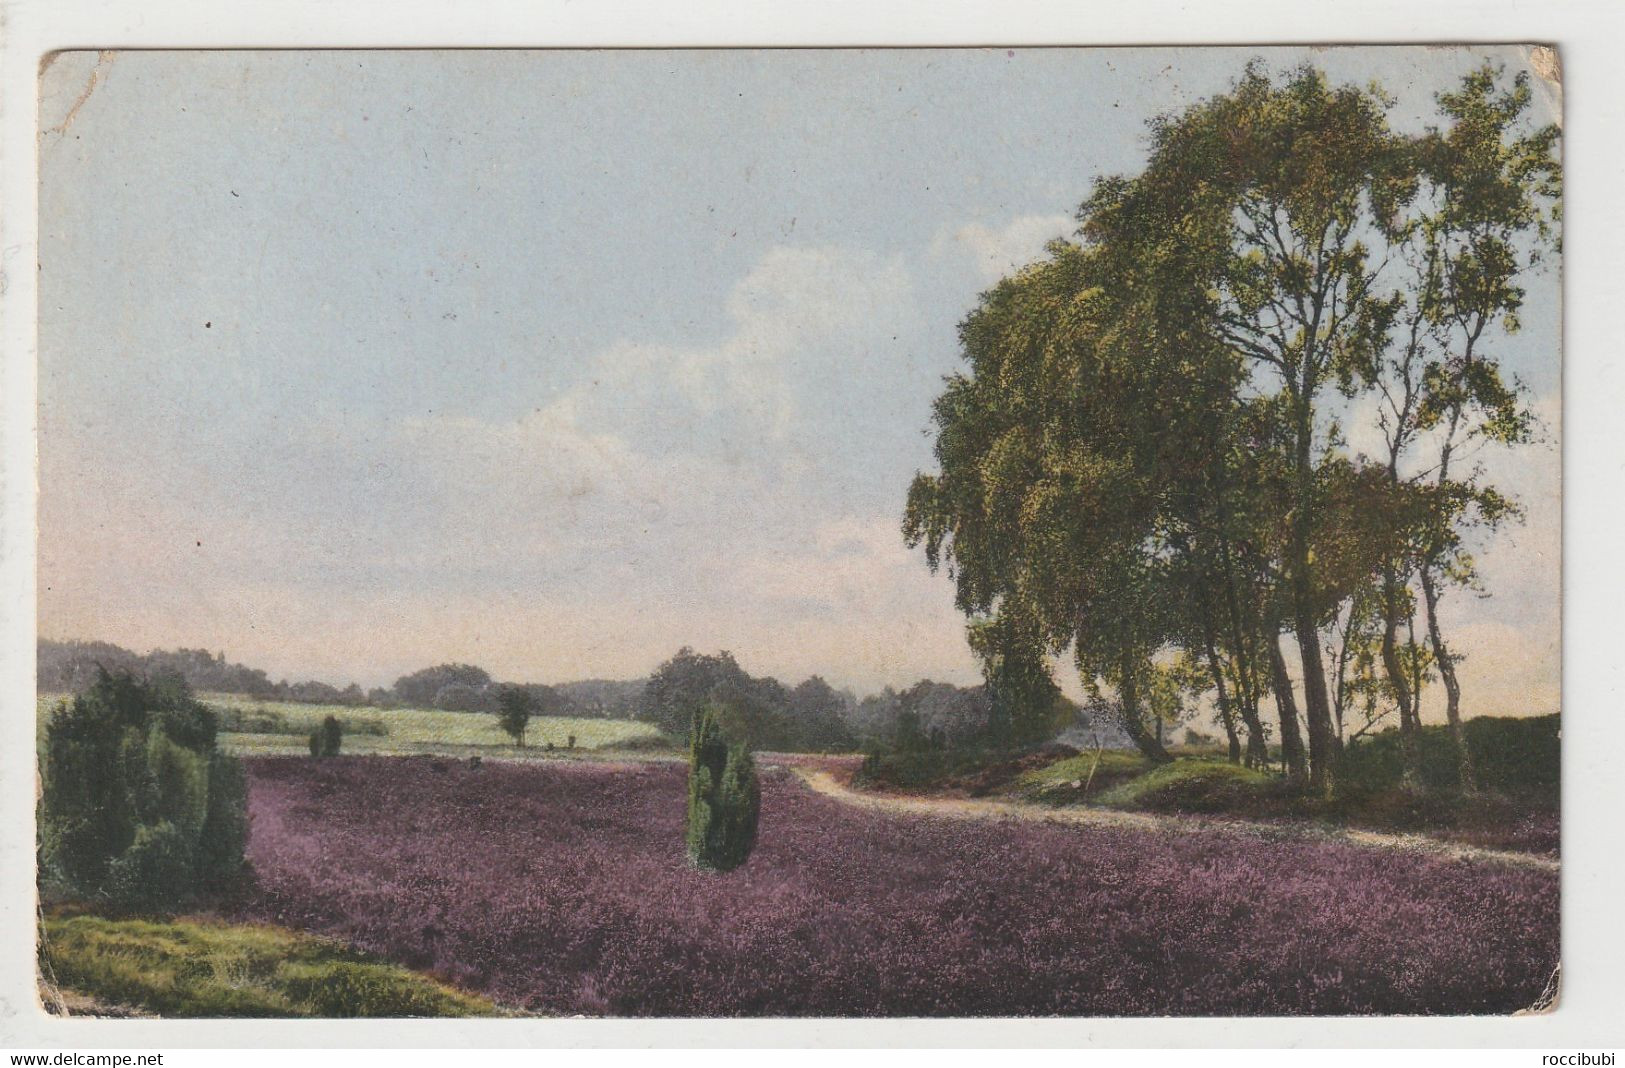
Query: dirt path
[(966, 808)]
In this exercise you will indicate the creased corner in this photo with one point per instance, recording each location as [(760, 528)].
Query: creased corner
[(1546, 1004), (97, 74), (1544, 61)]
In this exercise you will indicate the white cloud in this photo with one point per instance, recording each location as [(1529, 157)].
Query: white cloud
[(998, 250)]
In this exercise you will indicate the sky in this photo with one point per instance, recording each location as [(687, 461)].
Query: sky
[(353, 362)]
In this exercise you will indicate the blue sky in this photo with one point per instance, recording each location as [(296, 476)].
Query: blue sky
[(357, 361)]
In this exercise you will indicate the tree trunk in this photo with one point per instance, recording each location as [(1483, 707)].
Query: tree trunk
[(1258, 754), (1322, 748), (1227, 715), (1291, 740), (1147, 743), (1322, 741), (1467, 774), (1409, 726), (1441, 654)]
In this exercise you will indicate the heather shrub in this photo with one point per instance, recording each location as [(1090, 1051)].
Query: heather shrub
[(847, 911), (724, 796), (135, 794)]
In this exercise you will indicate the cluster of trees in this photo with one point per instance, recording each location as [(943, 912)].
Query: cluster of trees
[(1146, 464), (74, 666), (813, 716), (762, 713), (138, 806), (944, 716)]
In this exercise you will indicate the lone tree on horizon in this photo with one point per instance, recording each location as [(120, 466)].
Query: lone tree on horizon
[(515, 706)]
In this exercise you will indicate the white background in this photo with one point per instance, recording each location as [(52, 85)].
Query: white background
[(1588, 37)]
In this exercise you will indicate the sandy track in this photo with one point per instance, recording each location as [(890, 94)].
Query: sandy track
[(969, 808)]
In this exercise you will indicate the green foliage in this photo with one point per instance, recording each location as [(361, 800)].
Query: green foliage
[(137, 806), (1142, 458), (421, 688), (724, 797), (196, 969), (1193, 786), (175, 789), (1512, 756), (1026, 705), (224, 833), (327, 739), (1076, 779), (415, 731), (761, 712), (258, 719), (515, 705), (159, 865), (913, 766)]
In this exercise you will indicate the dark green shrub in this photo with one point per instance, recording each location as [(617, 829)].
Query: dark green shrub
[(515, 706), (1511, 755), (326, 740), (184, 721), (178, 785), (86, 818), (724, 797), (135, 796), (156, 871), (332, 736), (225, 829)]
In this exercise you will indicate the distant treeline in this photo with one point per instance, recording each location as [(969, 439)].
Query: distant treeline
[(764, 712), (815, 716), (72, 667)]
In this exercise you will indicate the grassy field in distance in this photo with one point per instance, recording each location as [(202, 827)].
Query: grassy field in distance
[(416, 730)]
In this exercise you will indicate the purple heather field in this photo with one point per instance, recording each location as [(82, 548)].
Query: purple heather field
[(563, 888)]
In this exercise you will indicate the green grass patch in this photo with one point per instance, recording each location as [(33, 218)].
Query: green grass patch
[(408, 729), (206, 969), (403, 731), (1193, 786), (1076, 779)]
